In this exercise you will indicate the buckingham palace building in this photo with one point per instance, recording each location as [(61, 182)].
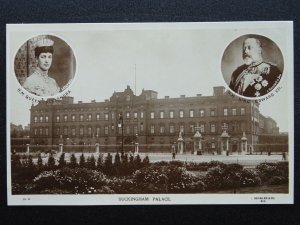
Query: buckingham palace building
[(211, 124)]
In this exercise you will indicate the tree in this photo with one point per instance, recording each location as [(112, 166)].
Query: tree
[(82, 161), (146, 161), (124, 164), (137, 162), (108, 164), (117, 164), (73, 161), (62, 162), (40, 164), (15, 162), (92, 162), (100, 164), (51, 162), (30, 164)]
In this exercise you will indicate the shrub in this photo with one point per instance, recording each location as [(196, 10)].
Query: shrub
[(224, 176), (267, 171), (76, 181), (249, 178), (123, 186), (167, 179)]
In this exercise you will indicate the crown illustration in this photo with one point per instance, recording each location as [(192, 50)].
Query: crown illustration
[(44, 43)]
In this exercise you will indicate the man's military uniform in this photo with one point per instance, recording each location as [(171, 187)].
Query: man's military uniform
[(255, 80), (39, 83)]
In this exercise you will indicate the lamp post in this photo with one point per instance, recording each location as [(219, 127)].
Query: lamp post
[(121, 125), (225, 138), (136, 151)]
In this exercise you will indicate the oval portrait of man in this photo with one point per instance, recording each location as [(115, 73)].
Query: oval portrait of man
[(252, 65), (45, 65)]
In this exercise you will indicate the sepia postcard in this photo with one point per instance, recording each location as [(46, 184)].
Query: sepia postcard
[(150, 113)]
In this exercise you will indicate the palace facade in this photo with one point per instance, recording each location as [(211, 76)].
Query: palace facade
[(154, 123)]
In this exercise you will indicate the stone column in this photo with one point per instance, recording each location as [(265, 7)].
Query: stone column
[(136, 148), (180, 146), (97, 147), (27, 148), (61, 148)]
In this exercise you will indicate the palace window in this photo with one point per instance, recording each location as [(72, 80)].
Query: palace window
[(171, 114), (181, 114), (172, 129), (127, 115), (35, 131), (191, 113), (202, 113), (142, 127), (225, 112), (202, 128), (127, 129), (35, 119), (181, 128), (46, 131), (89, 131), (90, 117), (65, 118), (162, 129), (112, 115), (212, 112), (57, 131), (47, 119), (106, 130), (41, 119), (135, 129), (106, 116), (152, 131), (41, 131), (213, 145), (73, 118), (73, 131), (212, 128), (81, 131), (81, 117), (135, 115), (243, 111), (162, 114), (234, 111), (65, 131), (142, 114), (152, 115), (192, 128), (57, 119), (97, 131), (112, 126)]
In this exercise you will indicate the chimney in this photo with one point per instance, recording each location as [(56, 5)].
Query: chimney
[(167, 97), (219, 91), (182, 96)]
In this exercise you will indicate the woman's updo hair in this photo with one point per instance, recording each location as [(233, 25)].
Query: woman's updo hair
[(42, 49)]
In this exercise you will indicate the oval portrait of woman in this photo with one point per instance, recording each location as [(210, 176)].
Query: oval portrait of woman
[(45, 65), (252, 65)]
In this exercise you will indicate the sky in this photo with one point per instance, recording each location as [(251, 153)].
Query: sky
[(170, 59)]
